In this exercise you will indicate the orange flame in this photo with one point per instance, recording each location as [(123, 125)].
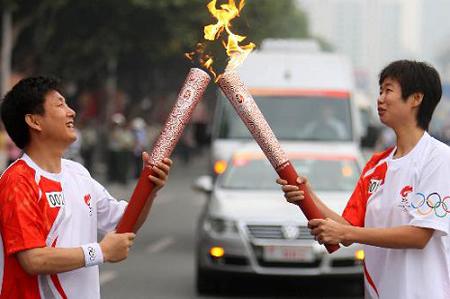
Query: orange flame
[(224, 16), (204, 59), (212, 32)]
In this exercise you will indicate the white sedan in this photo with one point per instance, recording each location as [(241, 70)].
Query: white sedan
[(248, 227)]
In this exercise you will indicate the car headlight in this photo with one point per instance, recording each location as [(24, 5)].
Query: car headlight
[(220, 226), (359, 255)]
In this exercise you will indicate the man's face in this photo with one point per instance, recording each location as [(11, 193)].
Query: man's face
[(57, 122), (393, 110)]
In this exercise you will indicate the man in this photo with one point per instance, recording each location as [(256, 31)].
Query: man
[(400, 208), (51, 208)]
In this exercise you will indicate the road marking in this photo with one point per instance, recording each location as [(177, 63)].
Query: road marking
[(160, 245), (107, 276)]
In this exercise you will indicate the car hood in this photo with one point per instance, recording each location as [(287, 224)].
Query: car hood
[(267, 206)]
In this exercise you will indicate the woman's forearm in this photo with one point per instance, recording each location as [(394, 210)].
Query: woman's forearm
[(392, 237)]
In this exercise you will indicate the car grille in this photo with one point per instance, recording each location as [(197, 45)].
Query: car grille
[(310, 265), (276, 232)]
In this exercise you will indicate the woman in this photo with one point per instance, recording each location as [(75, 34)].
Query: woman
[(400, 207)]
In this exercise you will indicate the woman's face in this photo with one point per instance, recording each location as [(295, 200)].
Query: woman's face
[(393, 109)]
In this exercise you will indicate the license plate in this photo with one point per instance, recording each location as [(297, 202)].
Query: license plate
[(288, 254)]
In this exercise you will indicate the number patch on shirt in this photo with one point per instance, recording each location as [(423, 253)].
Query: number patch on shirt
[(55, 199), (374, 185)]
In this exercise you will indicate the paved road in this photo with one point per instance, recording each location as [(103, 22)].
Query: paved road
[(161, 264)]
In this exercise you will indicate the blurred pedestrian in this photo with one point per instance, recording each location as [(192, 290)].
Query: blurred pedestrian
[(186, 145), (398, 208), (51, 209), (12, 151), (153, 131), (89, 140), (120, 144), (74, 151), (199, 121), (140, 143)]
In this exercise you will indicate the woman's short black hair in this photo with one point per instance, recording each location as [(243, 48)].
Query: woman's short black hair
[(26, 97), (415, 76)]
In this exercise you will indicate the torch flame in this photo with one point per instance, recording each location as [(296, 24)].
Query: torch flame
[(224, 16), (204, 59), (212, 32)]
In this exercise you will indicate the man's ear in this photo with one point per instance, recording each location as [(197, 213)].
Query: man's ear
[(417, 99), (32, 121)]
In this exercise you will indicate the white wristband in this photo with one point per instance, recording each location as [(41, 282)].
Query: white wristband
[(93, 254)]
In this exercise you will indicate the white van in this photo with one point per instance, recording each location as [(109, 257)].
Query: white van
[(305, 94)]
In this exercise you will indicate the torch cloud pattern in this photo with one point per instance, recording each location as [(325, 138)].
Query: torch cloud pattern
[(190, 94), (239, 96)]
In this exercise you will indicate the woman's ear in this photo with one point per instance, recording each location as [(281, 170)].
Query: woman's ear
[(417, 99), (32, 121)]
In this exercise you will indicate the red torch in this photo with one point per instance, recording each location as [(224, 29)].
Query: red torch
[(189, 96), (248, 111)]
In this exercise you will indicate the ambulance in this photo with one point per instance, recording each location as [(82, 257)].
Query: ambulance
[(304, 93)]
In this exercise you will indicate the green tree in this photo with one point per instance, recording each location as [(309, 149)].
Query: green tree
[(17, 16), (275, 19), (132, 45)]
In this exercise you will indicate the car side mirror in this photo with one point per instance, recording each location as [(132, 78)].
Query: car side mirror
[(204, 184)]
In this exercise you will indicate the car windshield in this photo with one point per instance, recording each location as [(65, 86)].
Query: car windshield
[(295, 118), (325, 174)]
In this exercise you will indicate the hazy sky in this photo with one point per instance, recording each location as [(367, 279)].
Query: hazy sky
[(373, 32)]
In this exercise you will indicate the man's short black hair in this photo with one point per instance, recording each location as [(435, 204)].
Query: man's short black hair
[(26, 97), (414, 76)]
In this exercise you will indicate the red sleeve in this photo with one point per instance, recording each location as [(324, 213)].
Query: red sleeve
[(21, 220), (355, 210)]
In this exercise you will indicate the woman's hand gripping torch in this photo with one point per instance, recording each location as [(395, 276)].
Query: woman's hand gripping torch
[(189, 96), (248, 111)]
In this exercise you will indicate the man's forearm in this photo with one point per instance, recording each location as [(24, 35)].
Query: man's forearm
[(50, 260), (391, 237)]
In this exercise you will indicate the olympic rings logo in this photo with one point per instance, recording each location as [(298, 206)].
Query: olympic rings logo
[(425, 205)]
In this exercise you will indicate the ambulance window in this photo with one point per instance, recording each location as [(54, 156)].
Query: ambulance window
[(295, 118)]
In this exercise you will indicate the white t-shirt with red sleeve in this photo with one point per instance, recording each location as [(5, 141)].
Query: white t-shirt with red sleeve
[(39, 209), (411, 190)]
